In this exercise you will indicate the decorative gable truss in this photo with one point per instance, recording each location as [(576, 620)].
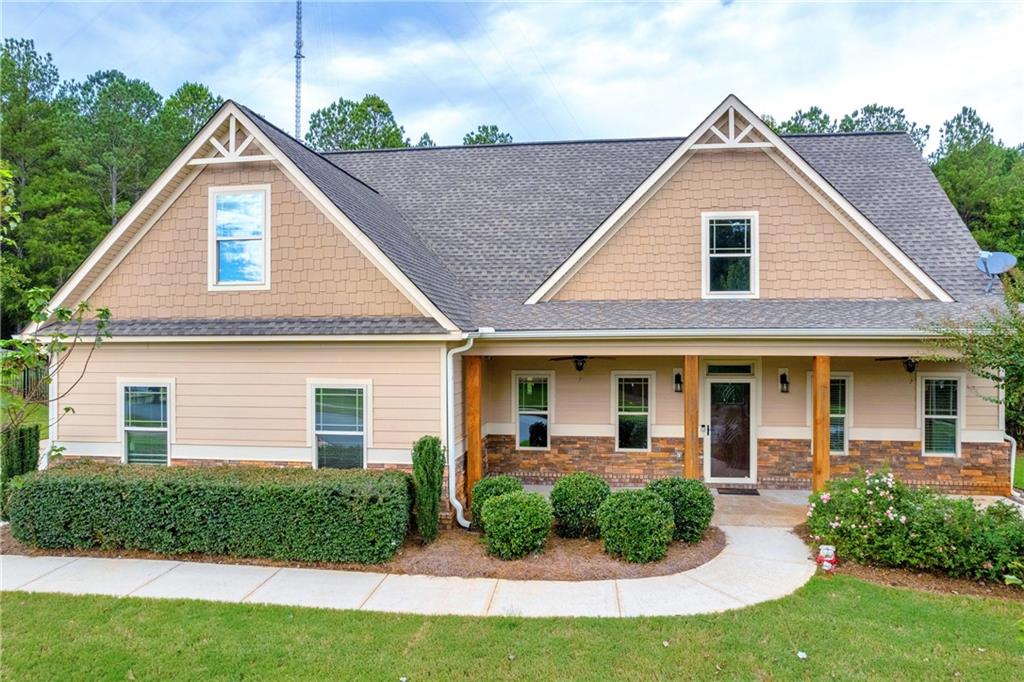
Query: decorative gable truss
[(230, 143), (227, 138), (732, 126)]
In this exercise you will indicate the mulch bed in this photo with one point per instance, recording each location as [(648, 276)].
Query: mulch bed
[(916, 580), (458, 553)]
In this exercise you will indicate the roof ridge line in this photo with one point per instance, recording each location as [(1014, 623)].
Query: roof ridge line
[(540, 143)]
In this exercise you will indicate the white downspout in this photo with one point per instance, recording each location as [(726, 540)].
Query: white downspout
[(1013, 459), (450, 428)]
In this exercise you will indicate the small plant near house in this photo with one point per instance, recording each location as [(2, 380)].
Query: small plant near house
[(427, 476), (636, 525), (19, 454), (575, 500), (518, 523), (872, 518), (489, 487), (692, 505)]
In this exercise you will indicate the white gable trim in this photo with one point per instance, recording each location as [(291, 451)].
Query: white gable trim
[(297, 177), (734, 140)]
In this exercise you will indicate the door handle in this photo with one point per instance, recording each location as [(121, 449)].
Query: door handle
[(705, 430)]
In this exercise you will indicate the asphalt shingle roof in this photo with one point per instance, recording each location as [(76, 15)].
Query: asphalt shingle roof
[(274, 326), (478, 229)]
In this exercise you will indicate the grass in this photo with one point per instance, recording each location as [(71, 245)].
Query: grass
[(848, 628), (1018, 475), (39, 414)]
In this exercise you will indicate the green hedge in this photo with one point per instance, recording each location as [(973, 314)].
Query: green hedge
[(518, 523), (873, 518), (692, 505), (575, 500), (427, 476), (636, 525), (489, 487), (19, 454), (300, 514)]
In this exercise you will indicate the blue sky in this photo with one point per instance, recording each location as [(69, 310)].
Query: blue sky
[(548, 71)]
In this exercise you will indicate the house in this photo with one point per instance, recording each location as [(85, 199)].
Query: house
[(734, 306)]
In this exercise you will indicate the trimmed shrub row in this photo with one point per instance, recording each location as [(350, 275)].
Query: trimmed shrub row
[(301, 514), (876, 519), (636, 525)]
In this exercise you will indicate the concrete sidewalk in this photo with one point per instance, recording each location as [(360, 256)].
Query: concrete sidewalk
[(757, 564)]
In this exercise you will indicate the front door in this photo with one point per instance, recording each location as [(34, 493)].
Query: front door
[(728, 439)]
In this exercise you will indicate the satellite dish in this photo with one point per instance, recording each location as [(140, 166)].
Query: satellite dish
[(995, 263)]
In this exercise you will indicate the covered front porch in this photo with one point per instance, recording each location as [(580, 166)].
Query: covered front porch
[(772, 415)]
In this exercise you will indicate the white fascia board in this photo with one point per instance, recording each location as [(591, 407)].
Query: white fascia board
[(616, 218), (256, 338)]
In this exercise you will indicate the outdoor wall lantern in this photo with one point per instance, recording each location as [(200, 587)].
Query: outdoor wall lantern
[(678, 382), (783, 381)]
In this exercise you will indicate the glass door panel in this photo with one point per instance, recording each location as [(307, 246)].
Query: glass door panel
[(730, 429)]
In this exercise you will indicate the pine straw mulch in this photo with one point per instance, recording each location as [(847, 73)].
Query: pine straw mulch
[(456, 553), (907, 578)]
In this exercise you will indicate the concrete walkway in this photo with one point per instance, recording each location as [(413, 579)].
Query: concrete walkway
[(757, 564)]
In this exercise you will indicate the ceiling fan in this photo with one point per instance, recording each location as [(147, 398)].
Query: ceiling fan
[(580, 361), (909, 364)]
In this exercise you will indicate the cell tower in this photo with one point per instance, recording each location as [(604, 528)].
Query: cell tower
[(298, 68)]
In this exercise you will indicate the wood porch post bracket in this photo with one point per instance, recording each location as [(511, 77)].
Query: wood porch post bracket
[(474, 458), (820, 423), (691, 419)]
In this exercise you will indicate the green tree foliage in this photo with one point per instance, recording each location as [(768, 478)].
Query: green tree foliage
[(963, 131), (115, 136), (814, 120), (486, 134), (878, 118), (78, 155), (347, 124), (426, 141)]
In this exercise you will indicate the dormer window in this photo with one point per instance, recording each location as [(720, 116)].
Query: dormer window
[(729, 247), (239, 240)]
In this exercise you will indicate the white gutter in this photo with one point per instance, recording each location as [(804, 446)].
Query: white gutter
[(709, 333), (450, 427)]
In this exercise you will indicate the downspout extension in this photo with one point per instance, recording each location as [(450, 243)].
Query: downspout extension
[(450, 428)]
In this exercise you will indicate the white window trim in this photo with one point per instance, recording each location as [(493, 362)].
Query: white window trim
[(516, 376), (125, 382), (211, 246), (367, 387), (849, 406), (705, 269), (651, 392), (961, 411)]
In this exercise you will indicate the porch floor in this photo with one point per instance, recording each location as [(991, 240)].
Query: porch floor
[(771, 508)]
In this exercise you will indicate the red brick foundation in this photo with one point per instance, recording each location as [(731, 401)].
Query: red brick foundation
[(983, 468)]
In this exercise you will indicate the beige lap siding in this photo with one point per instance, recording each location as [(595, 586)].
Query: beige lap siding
[(255, 396), (315, 269), (804, 251)]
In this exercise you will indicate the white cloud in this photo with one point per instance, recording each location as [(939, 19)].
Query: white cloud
[(555, 71)]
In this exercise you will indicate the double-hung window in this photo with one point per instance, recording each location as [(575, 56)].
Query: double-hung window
[(730, 254), (146, 418), (339, 426), (533, 408), (941, 412), (838, 426), (239, 237), (633, 412)]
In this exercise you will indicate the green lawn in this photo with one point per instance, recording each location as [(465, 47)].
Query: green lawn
[(1018, 475), (39, 414), (848, 629)]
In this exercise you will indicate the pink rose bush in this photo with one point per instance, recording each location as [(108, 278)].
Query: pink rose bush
[(872, 518)]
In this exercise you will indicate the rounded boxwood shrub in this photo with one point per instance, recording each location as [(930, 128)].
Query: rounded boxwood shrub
[(517, 524), (636, 525), (575, 500), (692, 505), (489, 487)]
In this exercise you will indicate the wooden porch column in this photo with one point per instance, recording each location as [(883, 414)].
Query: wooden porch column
[(472, 365), (820, 423), (691, 407)]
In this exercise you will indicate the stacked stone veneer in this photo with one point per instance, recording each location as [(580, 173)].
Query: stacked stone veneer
[(983, 468)]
